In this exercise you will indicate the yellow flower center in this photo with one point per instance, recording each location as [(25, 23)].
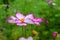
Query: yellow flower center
[(22, 19)]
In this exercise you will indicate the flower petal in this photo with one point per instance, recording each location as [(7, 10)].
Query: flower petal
[(22, 38), (29, 21), (38, 19), (19, 15), (30, 16), (12, 17), (37, 23), (30, 38), (11, 21), (21, 24), (18, 21)]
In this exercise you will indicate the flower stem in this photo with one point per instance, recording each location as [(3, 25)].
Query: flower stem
[(25, 31), (22, 31)]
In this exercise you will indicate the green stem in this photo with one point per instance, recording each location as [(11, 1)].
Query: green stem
[(30, 29), (25, 31), (22, 31)]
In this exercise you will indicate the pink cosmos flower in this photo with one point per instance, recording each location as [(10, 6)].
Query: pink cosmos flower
[(54, 34), (21, 20), (29, 38)]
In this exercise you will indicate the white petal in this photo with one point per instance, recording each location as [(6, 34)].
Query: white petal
[(53, 3), (22, 38), (19, 15), (12, 17), (37, 23), (29, 21), (30, 38), (11, 21), (30, 16)]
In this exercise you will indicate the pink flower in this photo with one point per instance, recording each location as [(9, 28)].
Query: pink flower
[(21, 20), (29, 38), (54, 34)]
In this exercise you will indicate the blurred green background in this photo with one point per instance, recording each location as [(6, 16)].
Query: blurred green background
[(40, 8)]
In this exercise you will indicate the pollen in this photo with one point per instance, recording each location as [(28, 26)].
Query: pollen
[(22, 19)]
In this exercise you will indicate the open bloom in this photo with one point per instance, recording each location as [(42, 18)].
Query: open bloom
[(29, 38), (21, 20)]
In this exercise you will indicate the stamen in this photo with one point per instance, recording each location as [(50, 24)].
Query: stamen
[(22, 19)]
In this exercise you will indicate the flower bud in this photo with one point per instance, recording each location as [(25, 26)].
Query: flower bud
[(34, 32), (54, 34), (51, 3), (47, 22)]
